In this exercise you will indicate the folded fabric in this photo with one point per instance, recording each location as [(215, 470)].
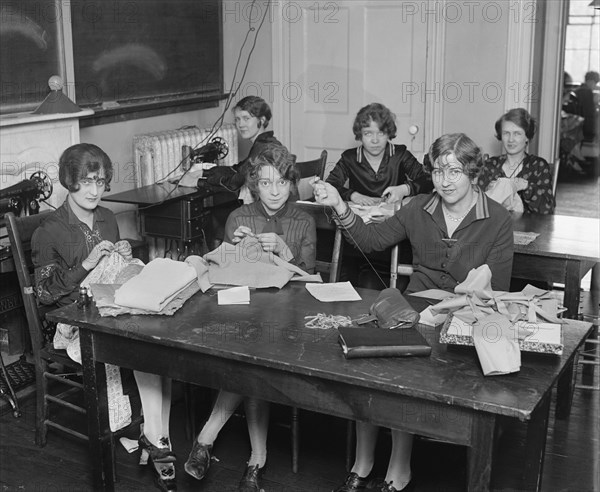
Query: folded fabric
[(497, 346), (478, 281), (503, 191), (159, 282), (246, 263)]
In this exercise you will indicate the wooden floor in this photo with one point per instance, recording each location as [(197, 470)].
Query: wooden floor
[(572, 455)]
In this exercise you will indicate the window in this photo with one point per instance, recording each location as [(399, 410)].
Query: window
[(582, 52)]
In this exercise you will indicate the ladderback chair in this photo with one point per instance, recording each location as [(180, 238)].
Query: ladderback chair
[(398, 268), (45, 357)]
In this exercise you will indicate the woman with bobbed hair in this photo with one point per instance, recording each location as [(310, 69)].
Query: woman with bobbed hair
[(65, 248), (528, 174), (377, 168), (453, 230), (252, 115), (290, 233)]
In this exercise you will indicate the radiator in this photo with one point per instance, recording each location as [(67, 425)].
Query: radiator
[(157, 154)]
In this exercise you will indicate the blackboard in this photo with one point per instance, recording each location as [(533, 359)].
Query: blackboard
[(138, 51), (30, 48)]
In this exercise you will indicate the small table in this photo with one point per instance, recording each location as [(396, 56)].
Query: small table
[(263, 350), (565, 250)]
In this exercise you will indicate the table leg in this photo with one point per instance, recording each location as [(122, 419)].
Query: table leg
[(564, 391), (481, 452), (96, 399), (572, 284), (535, 447)]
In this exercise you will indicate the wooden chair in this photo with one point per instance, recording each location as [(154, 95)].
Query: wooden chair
[(58, 377), (398, 268), (554, 169)]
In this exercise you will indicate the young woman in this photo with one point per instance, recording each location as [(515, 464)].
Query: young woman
[(65, 248), (252, 115), (377, 169), (289, 233), (452, 231), (529, 174)]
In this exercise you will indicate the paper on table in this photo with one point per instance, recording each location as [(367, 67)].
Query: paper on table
[(337, 291), (235, 295), (433, 294), (524, 238)]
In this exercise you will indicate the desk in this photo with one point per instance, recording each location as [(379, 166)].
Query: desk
[(177, 212), (263, 350), (565, 250)]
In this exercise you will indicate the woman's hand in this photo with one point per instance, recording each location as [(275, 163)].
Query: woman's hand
[(101, 250), (240, 233), (326, 194), (271, 242), (124, 249), (395, 194), (361, 199)]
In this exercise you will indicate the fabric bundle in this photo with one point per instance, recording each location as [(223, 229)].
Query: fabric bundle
[(156, 285)]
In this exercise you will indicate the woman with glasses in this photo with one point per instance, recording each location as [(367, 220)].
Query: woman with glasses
[(289, 233), (65, 248), (453, 230), (528, 174)]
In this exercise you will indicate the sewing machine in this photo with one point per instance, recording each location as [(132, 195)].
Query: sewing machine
[(26, 195)]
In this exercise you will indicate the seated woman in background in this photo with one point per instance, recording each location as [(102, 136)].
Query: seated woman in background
[(529, 175), (252, 115), (289, 233), (456, 229), (377, 168), (65, 248)]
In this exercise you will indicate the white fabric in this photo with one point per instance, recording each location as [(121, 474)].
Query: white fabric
[(504, 191), (159, 282)]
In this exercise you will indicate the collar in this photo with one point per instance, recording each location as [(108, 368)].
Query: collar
[(73, 219), (264, 136), (260, 209), (481, 205)]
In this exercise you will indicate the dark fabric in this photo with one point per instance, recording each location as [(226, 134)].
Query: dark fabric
[(296, 228), (60, 245), (585, 97), (233, 178), (400, 168), (537, 198), (484, 236)]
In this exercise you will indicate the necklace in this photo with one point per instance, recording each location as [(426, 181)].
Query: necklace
[(515, 169), (459, 219)]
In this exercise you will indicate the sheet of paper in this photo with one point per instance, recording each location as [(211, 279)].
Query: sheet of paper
[(338, 291), (437, 294), (524, 238), (234, 295)]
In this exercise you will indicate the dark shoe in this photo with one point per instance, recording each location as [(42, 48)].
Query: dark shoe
[(164, 476), (353, 483), (249, 482), (383, 486), (198, 462), (162, 454)]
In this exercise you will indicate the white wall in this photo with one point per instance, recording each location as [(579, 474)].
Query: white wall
[(116, 138)]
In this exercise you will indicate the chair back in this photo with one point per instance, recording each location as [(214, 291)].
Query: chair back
[(315, 167), (398, 268), (324, 223), (554, 167), (20, 230)]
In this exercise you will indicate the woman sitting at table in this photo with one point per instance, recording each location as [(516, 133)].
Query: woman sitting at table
[(252, 115), (528, 175), (289, 233), (65, 248), (377, 169), (452, 231)]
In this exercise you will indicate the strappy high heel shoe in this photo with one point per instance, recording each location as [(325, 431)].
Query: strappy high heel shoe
[(161, 459)]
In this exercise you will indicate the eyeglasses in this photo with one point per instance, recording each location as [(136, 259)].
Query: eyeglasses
[(267, 183), (100, 182), (450, 173)]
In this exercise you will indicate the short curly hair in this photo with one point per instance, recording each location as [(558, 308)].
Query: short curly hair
[(257, 107), (521, 118), (280, 158), (378, 113), (464, 149), (78, 161)]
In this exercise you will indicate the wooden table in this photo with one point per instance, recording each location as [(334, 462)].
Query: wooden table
[(264, 350), (565, 250)]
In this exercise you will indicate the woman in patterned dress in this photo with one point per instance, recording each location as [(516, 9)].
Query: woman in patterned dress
[(529, 175)]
